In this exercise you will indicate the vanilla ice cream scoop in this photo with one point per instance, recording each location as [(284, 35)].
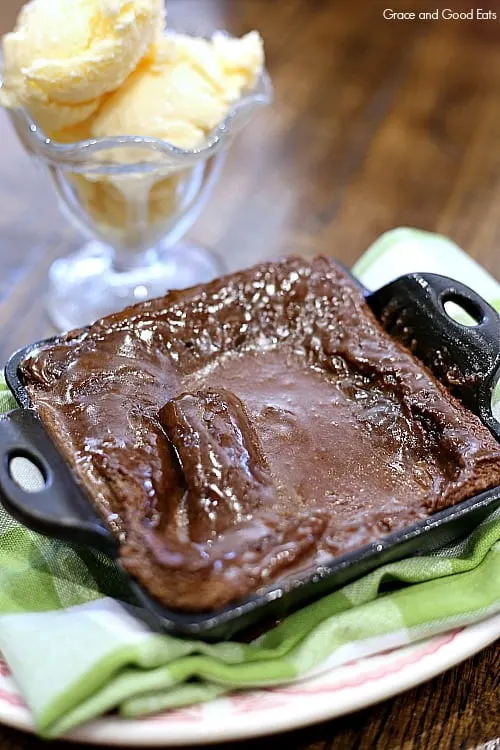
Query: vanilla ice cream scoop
[(185, 91), (64, 55)]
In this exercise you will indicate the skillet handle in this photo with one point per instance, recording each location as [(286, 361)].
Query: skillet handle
[(61, 508), (465, 358)]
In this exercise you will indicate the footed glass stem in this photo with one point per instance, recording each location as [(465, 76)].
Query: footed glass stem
[(86, 285)]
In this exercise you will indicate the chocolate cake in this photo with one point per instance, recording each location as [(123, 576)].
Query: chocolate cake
[(242, 431)]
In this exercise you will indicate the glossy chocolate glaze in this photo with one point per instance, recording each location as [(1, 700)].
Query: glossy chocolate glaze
[(239, 432)]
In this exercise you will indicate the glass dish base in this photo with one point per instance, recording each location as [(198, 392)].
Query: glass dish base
[(85, 286)]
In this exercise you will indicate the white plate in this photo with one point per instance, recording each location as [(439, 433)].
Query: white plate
[(251, 714)]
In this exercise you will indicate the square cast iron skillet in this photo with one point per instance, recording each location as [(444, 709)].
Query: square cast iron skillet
[(466, 359)]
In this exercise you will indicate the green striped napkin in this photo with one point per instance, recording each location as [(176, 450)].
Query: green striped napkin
[(77, 651)]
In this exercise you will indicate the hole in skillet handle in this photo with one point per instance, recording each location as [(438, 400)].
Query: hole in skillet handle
[(461, 310), (56, 505), (26, 471), (465, 358)]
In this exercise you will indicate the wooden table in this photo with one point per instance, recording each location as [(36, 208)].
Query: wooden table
[(376, 123)]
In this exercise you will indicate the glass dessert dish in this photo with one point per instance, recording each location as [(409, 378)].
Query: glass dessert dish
[(134, 197)]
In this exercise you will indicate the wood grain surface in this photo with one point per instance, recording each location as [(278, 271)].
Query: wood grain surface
[(375, 124)]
